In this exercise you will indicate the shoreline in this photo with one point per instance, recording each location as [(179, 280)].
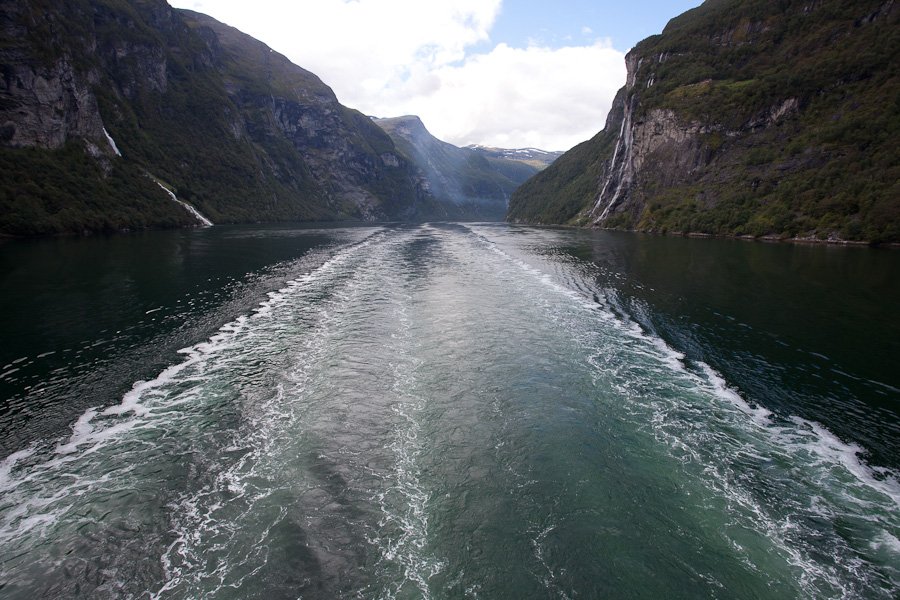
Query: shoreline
[(746, 238)]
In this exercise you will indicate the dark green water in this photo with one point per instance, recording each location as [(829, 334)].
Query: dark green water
[(447, 411)]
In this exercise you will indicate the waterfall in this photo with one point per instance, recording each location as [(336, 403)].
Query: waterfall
[(612, 168), (112, 142), (635, 74), (620, 168), (621, 171), (203, 220)]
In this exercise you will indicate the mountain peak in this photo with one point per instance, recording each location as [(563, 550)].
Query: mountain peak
[(465, 182), (409, 125)]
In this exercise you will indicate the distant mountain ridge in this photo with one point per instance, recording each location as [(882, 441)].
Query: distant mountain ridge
[(466, 183), (760, 118), (531, 156)]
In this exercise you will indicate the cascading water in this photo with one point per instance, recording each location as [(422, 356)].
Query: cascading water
[(200, 218), (621, 170)]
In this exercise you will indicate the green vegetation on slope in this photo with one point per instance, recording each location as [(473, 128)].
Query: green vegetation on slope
[(235, 128), (801, 104), (46, 192), (835, 167), (164, 103), (184, 135)]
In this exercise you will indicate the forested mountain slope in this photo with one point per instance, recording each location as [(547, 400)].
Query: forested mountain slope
[(745, 117), (100, 99)]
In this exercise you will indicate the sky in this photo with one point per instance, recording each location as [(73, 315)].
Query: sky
[(504, 73)]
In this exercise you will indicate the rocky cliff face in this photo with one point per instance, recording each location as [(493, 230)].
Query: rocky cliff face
[(661, 149), (60, 171), (45, 102), (658, 149), (47, 105), (353, 162), (745, 117), (144, 90)]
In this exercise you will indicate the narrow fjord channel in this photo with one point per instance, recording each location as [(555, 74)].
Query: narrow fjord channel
[(448, 411)]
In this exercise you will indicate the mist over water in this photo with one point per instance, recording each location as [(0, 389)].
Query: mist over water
[(445, 411)]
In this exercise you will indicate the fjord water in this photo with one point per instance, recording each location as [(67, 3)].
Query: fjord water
[(447, 411)]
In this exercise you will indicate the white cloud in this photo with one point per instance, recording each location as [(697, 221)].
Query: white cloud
[(394, 57), (346, 41), (551, 99)]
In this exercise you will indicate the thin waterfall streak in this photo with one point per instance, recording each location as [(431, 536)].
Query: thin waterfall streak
[(203, 220), (620, 174), (112, 142), (634, 77), (612, 166)]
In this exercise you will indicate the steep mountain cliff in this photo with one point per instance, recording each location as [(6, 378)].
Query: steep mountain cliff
[(746, 117), (102, 99), (466, 184)]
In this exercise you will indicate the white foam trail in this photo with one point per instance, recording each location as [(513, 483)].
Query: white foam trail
[(832, 449), (761, 416), (81, 431), (887, 541), (819, 440), (148, 405), (212, 523), (9, 463)]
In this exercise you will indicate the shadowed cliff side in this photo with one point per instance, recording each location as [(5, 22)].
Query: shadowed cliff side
[(96, 95)]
